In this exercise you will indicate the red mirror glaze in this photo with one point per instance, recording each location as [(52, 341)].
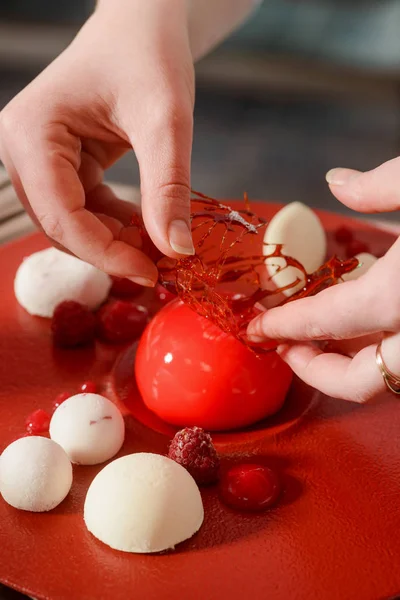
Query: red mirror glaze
[(189, 372)]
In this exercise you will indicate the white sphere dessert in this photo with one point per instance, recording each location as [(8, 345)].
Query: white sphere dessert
[(35, 474), (50, 276), (299, 230), (143, 503), (89, 427)]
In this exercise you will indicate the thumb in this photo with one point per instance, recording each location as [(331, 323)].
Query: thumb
[(373, 191), (164, 154)]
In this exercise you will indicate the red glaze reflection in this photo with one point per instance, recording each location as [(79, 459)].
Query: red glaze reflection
[(189, 372)]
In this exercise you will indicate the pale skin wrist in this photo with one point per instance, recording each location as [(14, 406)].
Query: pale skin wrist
[(127, 12), (207, 22)]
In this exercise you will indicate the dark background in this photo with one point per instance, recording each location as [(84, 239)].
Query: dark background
[(305, 86)]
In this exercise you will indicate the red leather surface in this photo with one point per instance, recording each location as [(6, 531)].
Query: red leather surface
[(333, 536)]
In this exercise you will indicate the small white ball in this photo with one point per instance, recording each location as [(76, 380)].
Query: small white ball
[(366, 261), (50, 276), (35, 474), (143, 503), (89, 427), (299, 230)]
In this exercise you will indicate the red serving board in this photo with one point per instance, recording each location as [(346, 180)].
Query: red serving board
[(333, 536)]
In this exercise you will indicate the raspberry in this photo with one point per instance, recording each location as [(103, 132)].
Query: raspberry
[(38, 422), (72, 325), (124, 288), (356, 247), (121, 321), (192, 448)]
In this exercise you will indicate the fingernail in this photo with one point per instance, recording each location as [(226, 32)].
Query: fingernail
[(143, 281), (340, 176), (180, 237)]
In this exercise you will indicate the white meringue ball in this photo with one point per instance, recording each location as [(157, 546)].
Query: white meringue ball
[(50, 276), (366, 261), (35, 474), (89, 427), (298, 228)]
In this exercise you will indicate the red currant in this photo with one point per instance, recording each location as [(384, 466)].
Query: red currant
[(356, 247), (122, 321), (250, 487), (343, 235), (124, 288), (38, 422), (89, 387)]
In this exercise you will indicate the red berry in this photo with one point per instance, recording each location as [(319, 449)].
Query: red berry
[(250, 487), (122, 321), (148, 247), (356, 247), (89, 387), (343, 235), (60, 399), (164, 295), (38, 422), (124, 288), (72, 325), (192, 448)]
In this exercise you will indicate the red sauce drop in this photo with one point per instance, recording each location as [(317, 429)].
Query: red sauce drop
[(206, 280), (38, 422), (250, 487)]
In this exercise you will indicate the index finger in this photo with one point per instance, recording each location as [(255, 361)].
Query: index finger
[(354, 379), (48, 173), (347, 310)]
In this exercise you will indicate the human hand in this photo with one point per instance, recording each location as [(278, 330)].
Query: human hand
[(353, 316), (125, 81)]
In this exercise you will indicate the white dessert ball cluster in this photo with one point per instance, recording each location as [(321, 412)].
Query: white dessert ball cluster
[(35, 474), (50, 276)]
